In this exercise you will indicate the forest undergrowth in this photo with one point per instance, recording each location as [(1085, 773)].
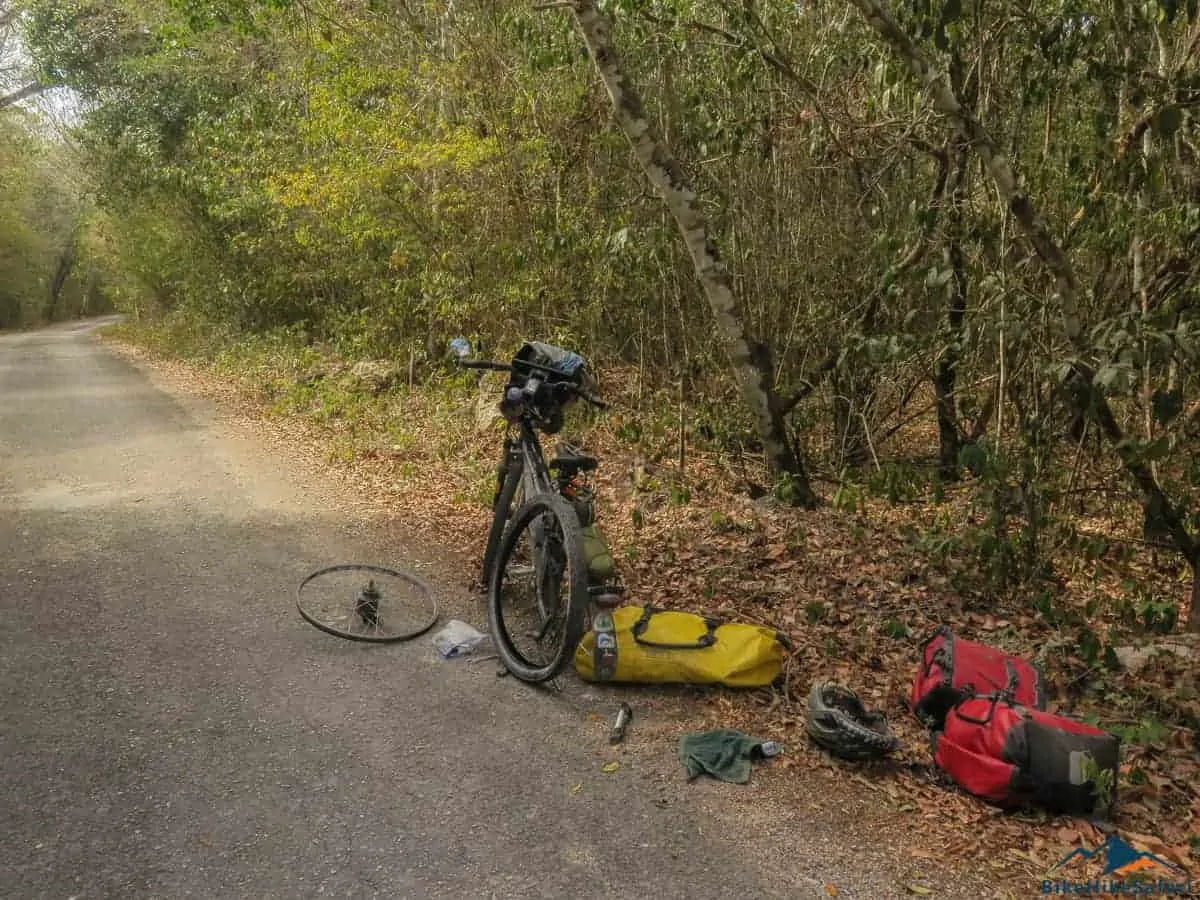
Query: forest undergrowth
[(857, 584)]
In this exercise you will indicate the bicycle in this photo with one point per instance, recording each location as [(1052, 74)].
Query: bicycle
[(543, 536)]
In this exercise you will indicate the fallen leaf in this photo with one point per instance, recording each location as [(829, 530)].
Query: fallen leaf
[(609, 768), (1021, 854), (918, 889), (831, 890), (1149, 842), (577, 788), (1181, 854)]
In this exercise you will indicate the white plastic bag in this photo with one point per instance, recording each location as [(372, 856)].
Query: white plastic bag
[(457, 639)]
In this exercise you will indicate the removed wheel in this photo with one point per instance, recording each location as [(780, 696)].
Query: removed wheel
[(367, 603)]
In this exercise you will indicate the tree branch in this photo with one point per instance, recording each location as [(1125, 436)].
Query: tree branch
[(777, 61), (23, 94), (970, 128), (911, 257), (1156, 499), (1123, 144), (750, 359), (1086, 397)]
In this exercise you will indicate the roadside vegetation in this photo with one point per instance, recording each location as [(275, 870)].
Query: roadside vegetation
[(926, 356), (46, 268)]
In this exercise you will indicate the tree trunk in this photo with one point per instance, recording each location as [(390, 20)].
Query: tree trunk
[(751, 363), (24, 93), (968, 126), (1193, 619), (851, 396), (66, 262), (946, 376), (850, 431)]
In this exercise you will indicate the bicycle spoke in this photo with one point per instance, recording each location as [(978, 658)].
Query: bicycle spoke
[(367, 603)]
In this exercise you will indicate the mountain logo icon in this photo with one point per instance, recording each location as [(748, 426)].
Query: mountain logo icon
[(1120, 858)]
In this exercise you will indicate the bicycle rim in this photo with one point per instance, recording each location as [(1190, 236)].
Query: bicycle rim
[(332, 600), (537, 598)]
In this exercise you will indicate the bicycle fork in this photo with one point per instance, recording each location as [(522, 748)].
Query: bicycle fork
[(511, 457)]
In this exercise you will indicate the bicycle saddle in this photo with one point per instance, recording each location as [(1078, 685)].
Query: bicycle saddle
[(572, 459)]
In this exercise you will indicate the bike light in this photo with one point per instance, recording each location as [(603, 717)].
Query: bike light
[(512, 407)]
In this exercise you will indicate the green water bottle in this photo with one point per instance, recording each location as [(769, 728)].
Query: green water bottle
[(605, 650)]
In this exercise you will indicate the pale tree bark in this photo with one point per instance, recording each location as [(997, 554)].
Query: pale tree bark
[(750, 360), (24, 93), (8, 18), (1088, 401)]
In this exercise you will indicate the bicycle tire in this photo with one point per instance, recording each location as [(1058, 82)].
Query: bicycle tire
[(501, 515), (577, 591), (422, 586)]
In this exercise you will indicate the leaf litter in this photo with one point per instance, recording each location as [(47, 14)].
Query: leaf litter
[(852, 590)]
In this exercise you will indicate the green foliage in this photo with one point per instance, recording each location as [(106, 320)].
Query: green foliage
[(898, 482), (1103, 783), (895, 629), (1145, 731), (45, 265), (378, 177), (849, 497)]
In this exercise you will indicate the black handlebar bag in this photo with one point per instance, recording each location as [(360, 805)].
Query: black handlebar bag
[(557, 371)]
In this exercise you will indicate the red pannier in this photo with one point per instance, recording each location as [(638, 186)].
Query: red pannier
[(1014, 756), (952, 670)]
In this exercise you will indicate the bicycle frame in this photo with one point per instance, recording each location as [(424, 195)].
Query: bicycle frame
[(524, 450), (535, 474)]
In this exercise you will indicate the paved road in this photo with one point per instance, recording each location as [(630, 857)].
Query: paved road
[(170, 728)]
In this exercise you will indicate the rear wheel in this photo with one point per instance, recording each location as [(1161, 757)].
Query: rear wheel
[(538, 595)]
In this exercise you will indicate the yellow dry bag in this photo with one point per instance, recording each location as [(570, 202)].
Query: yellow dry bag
[(662, 646)]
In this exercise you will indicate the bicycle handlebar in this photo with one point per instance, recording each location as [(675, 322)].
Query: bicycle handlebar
[(506, 367)]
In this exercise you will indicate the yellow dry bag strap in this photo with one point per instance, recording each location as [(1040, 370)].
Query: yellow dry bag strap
[(705, 640)]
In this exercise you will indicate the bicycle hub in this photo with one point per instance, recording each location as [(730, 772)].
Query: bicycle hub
[(367, 604)]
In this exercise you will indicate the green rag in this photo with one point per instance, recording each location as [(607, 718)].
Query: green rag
[(723, 753)]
